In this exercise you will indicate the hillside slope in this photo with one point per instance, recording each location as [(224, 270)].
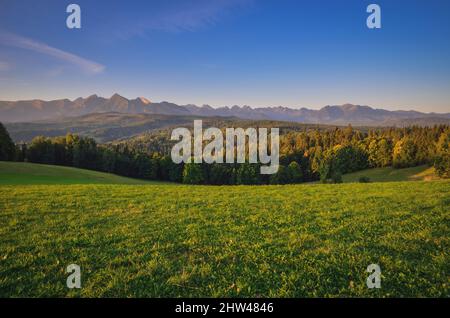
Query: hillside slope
[(33, 173), (388, 174), (106, 127)]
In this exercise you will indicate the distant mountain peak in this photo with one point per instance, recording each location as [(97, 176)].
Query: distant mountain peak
[(350, 106), (144, 100), (93, 96), (117, 97)]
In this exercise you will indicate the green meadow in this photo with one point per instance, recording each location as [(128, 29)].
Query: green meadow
[(419, 173), (170, 240), (34, 173)]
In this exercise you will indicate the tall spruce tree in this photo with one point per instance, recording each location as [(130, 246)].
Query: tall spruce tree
[(7, 147)]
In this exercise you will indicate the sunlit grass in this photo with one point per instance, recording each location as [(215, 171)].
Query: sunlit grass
[(275, 241), (420, 173), (32, 173)]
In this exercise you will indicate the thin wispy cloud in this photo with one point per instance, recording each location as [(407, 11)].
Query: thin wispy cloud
[(187, 17), (14, 40)]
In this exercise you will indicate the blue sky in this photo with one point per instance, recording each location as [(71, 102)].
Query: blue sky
[(226, 52)]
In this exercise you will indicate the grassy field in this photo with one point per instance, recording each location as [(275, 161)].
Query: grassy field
[(276, 241), (16, 173), (420, 173), (32, 173)]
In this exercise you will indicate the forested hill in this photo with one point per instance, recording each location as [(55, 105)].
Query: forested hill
[(106, 127), (307, 155)]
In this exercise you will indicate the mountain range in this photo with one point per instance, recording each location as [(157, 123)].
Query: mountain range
[(38, 110)]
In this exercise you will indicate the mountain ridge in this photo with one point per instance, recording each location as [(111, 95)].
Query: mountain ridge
[(36, 110)]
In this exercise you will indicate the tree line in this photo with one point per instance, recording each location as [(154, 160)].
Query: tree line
[(304, 156)]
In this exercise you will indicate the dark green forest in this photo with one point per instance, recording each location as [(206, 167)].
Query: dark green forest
[(305, 156)]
